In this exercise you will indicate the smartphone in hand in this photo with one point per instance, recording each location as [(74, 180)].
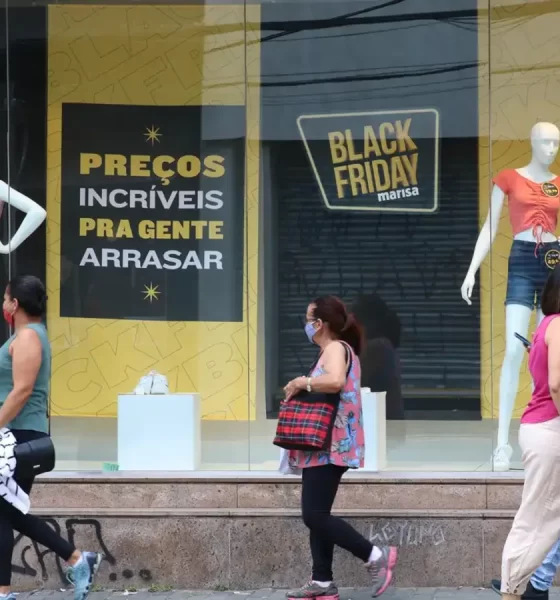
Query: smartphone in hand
[(523, 340)]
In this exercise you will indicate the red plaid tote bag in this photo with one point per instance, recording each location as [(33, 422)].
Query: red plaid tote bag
[(307, 420)]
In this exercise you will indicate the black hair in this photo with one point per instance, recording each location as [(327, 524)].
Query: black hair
[(342, 324), (30, 293), (550, 298)]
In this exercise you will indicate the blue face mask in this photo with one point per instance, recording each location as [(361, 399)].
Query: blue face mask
[(310, 331)]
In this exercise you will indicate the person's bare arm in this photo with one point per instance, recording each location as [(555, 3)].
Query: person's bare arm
[(333, 379), (552, 340), (26, 362)]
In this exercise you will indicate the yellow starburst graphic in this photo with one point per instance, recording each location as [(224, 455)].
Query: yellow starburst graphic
[(152, 134), (151, 292)]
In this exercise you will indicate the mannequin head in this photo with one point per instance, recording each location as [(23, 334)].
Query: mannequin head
[(545, 138)]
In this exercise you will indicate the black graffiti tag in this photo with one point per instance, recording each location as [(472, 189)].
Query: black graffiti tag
[(72, 526), (25, 568)]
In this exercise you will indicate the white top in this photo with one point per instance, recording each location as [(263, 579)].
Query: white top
[(9, 489)]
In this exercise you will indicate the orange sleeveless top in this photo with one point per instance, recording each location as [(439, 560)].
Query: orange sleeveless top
[(531, 205)]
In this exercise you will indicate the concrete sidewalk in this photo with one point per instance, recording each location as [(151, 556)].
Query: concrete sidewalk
[(270, 594)]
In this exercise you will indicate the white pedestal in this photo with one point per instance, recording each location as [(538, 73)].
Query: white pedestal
[(375, 430), (159, 432)]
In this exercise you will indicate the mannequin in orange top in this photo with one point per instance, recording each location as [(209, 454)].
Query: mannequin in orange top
[(534, 200)]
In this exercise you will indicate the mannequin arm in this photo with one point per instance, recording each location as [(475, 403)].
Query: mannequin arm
[(35, 215), (484, 242), (488, 232)]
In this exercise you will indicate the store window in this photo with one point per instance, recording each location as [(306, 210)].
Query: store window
[(208, 169), (23, 91), (142, 134), (522, 119), (371, 141)]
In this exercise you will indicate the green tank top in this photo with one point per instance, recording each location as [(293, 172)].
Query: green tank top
[(34, 414)]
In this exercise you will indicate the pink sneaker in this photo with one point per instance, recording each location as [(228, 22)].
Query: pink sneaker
[(312, 590), (381, 570)]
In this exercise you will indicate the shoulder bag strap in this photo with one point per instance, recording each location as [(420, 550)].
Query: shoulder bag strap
[(349, 357), (314, 364)]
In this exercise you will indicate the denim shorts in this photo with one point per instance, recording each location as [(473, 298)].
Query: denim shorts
[(528, 271)]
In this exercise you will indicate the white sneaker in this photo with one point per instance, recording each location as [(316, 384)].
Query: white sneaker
[(160, 385), (502, 458), (144, 385)]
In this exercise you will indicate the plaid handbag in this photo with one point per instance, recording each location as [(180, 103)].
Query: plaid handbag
[(306, 421)]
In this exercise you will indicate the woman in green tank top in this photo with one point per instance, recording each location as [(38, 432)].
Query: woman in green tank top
[(25, 368)]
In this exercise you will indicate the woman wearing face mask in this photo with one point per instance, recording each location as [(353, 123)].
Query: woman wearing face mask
[(340, 340), (25, 367)]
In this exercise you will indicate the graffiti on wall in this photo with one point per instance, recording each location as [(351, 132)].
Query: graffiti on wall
[(27, 552), (407, 533)]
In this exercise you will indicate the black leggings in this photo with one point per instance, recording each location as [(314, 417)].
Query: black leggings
[(31, 526), (319, 487)]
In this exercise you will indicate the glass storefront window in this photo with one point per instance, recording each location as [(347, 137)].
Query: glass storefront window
[(130, 125), (521, 159), (370, 133), (208, 169)]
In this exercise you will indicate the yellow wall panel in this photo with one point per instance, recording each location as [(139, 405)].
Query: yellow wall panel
[(153, 55)]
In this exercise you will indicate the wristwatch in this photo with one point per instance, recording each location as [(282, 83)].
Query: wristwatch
[(309, 384)]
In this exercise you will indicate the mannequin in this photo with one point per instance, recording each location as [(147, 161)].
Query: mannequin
[(534, 200), (34, 216)]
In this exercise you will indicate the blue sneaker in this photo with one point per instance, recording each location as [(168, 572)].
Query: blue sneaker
[(82, 575)]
